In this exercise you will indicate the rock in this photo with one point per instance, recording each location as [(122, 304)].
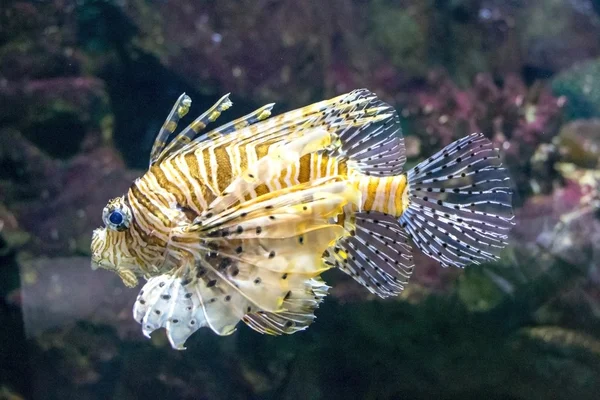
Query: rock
[(60, 115), (517, 118), (27, 173), (42, 92), (578, 143), (580, 87), (38, 41), (56, 202), (62, 224), (56, 293), (564, 222), (550, 48)]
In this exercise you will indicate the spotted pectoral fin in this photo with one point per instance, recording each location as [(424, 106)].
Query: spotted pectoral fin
[(268, 271), (378, 254), (222, 291), (182, 306), (272, 281), (274, 250), (264, 256), (260, 296), (297, 311)]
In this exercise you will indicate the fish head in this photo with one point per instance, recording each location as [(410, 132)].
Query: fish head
[(110, 244)]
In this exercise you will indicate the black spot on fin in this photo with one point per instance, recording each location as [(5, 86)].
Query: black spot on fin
[(378, 256), (370, 136), (460, 208), (298, 310)]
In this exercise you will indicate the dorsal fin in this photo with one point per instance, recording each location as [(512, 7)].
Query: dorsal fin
[(260, 114), (367, 131), (192, 131), (198, 125), (289, 125), (372, 139), (180, 109)]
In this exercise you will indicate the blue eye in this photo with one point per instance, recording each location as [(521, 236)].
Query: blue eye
[(116, 217)]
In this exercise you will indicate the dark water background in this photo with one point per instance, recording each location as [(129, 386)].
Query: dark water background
[(85, 85)]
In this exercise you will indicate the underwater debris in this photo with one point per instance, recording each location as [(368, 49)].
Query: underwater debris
[(564, 339)]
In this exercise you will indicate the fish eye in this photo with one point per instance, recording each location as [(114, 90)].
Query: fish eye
[(116, 215)]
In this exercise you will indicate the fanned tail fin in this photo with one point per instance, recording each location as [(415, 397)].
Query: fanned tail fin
[(459, 203)]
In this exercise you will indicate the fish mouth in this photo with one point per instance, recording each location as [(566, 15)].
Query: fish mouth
[(100, 263), (95, 264)]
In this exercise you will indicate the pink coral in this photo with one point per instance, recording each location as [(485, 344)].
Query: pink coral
[(517, 117)]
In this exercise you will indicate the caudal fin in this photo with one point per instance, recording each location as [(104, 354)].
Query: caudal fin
[(460, 210)]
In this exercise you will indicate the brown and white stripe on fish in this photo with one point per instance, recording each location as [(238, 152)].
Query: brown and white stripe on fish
[(191, 212)]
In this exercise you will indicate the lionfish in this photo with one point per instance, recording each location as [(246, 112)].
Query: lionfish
[(240, 222)]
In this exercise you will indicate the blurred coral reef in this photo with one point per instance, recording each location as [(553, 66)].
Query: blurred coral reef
[(84, 87)]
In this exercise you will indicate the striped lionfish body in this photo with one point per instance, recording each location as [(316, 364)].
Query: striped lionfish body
[(239, 223)]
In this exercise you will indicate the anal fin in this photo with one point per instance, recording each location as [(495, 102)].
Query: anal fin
[(378, 255)]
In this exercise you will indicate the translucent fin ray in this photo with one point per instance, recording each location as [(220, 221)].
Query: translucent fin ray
[(378, 255), (198, 125), (255, 116), (265, 271), (371, 140), (460, 208), (179, 110), (297, 314)]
